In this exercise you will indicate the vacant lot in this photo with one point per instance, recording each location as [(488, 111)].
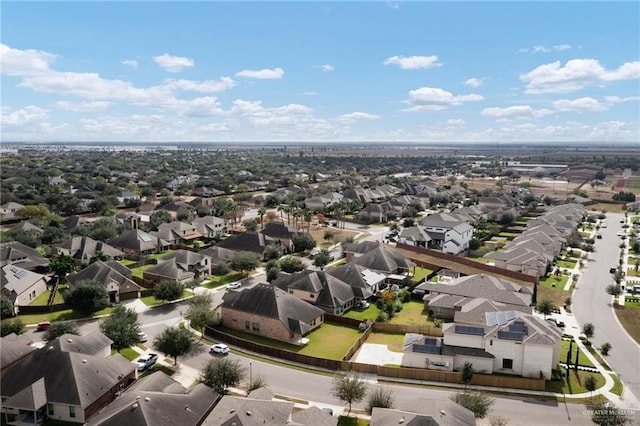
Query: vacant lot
[(629, 316)]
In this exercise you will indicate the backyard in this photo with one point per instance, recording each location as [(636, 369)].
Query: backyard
[(412, 313)]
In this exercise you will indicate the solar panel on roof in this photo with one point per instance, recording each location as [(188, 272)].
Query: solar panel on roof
[(510, 335), (145, 238), (474, 331), (426, 349), (430, 341)]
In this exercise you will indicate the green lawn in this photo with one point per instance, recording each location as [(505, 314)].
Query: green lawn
[(128, 353), (618, 387), (371, 313), (159, 255), (220, 280), (137, 272), (582, 359), (566, 264), (574, 383), (394, 342), (127, 262), (420, 274), (328, 341), (44, 297), (67, 314), (411, 314), (152, 301), (352, 421), (560, 281)]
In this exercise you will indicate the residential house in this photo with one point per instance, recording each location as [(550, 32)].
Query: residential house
[(419, 412), (21, 286), (319, 203), (8, 210), (116, 278), (28, 227), (180, 266), (259, 408), (83, 249), (136, 243), (386, 260), (158, 399), (373, 213), (444, 300), (174, 207), (271, 312), (318, 288), (211, 227), (75, 221), (509, 342), (414, 236), (279, 233), (177, 233), (448, 231), (363, 281), (69, 380), (16, 253), (127, 196), (14, 348), (247, 241), (206, 192)]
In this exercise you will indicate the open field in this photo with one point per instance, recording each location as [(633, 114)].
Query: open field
[(629, 316)]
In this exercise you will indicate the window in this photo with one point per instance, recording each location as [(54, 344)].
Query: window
[(256, 327), (50, 409), (311, 295), (247, 324), (72, 411), (491, 342), (507, 363)]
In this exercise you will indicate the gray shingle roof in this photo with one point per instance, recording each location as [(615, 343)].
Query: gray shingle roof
[(249, 412), (247, 241), (105, 273), (83, 248), (485, 286), (384, 259), (14, 252)]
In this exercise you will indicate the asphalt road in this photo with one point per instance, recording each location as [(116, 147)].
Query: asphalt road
[(592, 304)]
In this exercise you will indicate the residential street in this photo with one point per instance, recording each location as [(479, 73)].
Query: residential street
[(592, 304)]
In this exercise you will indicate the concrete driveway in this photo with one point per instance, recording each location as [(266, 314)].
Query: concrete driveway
[(371, 353)]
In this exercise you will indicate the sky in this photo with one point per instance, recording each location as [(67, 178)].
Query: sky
[(334, 71)]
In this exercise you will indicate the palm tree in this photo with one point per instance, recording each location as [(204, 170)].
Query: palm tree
[(262, 211)]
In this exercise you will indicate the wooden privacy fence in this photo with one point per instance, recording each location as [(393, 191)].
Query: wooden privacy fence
[(383, 327), (400, 373)]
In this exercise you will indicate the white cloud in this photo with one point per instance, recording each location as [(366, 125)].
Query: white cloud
[(16, 62), (473, 82), (456, 122), (516, 111), (579, 105), (355, 116), (131, 62), (325, 67), (544, 49), (173, 63), (413, 62), (575, 75), (208, 86), (394, 4), (434, 99), (83, 106), (24, 117), (263, 74), (310, 93), (618, 99)]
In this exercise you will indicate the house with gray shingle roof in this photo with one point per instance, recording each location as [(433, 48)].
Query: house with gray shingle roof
[(180, 266), (363, 281), (82, 249), (385, 260), (210, 226), (8, 210), (158, 399), (423, 412), (448, 231), (28, 227), (15, 347), (414, 236), (116, 278), (254, 242), (21, 286), (136, 243), (69, 384), (268, 311), (318, 288), (177, 232), (506, 342), (16, 253)]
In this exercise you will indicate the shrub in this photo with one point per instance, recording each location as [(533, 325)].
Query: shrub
[(382, 317)]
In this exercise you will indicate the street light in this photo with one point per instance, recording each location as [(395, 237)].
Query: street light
[(250, 374)]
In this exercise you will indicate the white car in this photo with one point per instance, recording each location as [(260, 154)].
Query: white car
[(234, 285), (219, 349), (146, 361)]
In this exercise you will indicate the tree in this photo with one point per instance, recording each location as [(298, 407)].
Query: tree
[(87, 297), (322, 259), (466, 374), (349, 389), (222, 373), (328, 235), (588, 329), (607, 414), (62, 265), (168, 290), (272, 252), (261, 212), (474, 244), (381, 397), (250, 225), (590, 384), (11, 326), (303, 242), (6, 307), (408, 222), (122, 327), (605, 349), (174, 342), (245, 261), (200, 313), (291, 264), (58, 328), (159, 217), (32, 212), (478, 403), (546, 307), (272, 273), (614, 289)]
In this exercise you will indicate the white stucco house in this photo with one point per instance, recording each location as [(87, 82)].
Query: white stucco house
[(448, 231)]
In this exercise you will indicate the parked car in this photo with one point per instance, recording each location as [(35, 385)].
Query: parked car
[(234, 285), (599, 236), (362, 304), (612, 270), (146, 361), (142, 336), (219, 349), (42, 326)]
